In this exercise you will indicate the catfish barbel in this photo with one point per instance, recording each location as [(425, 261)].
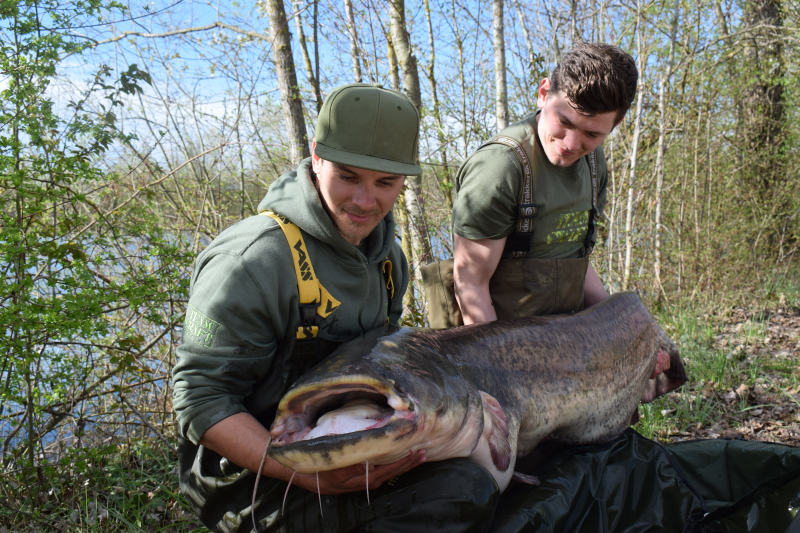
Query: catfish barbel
[(490, 392)]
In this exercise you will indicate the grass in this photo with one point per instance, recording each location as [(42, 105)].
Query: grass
[(724, 352), (127, 487)]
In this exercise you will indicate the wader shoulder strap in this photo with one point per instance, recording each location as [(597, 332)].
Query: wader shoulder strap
[(314, 299), (594, 214), (519, 242)]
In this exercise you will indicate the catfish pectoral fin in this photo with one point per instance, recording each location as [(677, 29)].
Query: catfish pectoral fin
[(669, 380), (495, 431), (525, 478), (675, 375)]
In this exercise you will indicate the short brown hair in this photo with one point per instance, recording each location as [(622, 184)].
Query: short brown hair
[(596, 78)]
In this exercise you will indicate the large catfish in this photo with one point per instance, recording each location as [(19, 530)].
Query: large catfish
[(491, 392)]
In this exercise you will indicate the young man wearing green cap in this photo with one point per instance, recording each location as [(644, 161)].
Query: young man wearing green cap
[(250, 332)]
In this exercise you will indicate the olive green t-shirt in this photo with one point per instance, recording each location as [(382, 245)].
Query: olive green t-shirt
[(487, 191)]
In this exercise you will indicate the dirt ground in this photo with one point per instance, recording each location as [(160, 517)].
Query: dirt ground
[(762, 403)]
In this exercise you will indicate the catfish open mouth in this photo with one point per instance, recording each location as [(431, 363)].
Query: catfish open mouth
[(338, 409)]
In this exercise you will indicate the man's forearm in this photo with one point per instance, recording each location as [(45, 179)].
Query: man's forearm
[(474, 263), (242, 439), (475, 303)]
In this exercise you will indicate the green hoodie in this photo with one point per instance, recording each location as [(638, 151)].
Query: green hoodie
[(244, 299)]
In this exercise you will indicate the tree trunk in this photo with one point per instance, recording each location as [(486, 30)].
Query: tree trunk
[(446, 185), (392, 57), (462, 79), (351, 30), (662, 134), (420, 243), (763, 101), (637, 129), (500, 86), (405, 56), (409, 300), (573, 16), (291, 103), (611, 209), (531, 72), (298, 20)]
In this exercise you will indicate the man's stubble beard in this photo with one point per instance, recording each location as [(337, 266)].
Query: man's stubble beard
[(348, 233), (352, 232)]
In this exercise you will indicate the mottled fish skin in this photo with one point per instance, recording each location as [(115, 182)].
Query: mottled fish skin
[(490, 391)]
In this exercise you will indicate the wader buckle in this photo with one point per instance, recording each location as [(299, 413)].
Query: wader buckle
[(527, 210), (588, 244), (308, 313), (519, 242)]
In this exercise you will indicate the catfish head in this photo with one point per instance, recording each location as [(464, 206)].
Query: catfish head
[(375, 400)]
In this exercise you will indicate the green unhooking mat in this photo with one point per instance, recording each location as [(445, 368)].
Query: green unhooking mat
[(635, 485)]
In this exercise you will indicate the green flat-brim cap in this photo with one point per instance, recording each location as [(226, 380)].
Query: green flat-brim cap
[(367, 126)]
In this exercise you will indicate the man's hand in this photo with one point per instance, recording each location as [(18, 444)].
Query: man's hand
[(354, 478), (662, 363)]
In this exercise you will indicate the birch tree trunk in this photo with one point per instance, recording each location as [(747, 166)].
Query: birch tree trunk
[(392, 57), (462, 79), (500, 85), (291, 103), (405, 56), (662, 134), (612, 210), (528, 44), (420, 243), (446, 185), (301, 36), (573, 16), (409, 301), (637, 129), (351, 30)]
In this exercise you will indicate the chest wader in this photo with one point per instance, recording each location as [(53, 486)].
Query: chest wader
[(220, 492), (523, 286), (520, 286)]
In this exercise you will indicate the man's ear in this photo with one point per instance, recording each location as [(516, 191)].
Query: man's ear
[(544, 90), (316, 161)]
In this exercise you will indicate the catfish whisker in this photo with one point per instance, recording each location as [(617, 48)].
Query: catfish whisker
[(368, 483), (255, 487), (285, 494), (320, 496)]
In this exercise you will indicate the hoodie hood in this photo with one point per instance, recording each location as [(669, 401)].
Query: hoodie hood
[(294, 196)]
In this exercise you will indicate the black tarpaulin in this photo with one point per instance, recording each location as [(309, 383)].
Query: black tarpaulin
[(635, 485)]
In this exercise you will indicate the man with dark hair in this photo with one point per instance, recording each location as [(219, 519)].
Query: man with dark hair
[(548, 172)]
